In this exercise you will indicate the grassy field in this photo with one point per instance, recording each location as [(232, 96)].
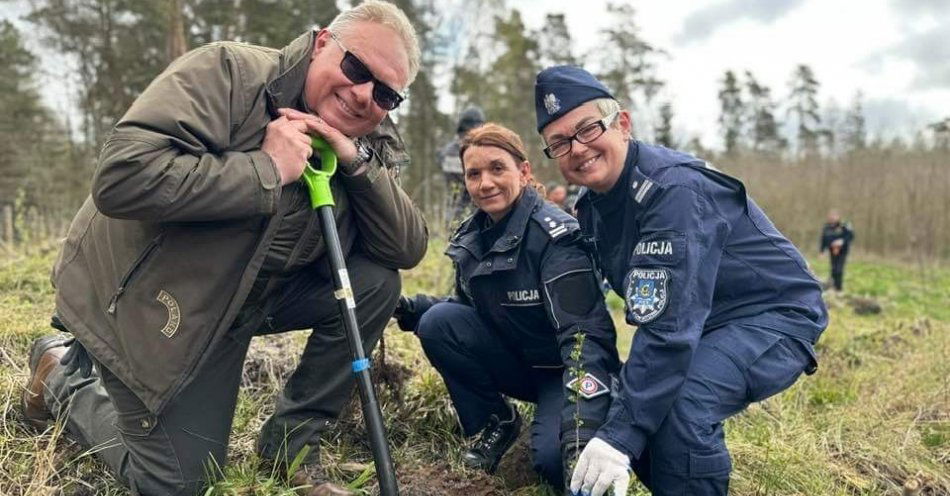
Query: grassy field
[(875, 419)]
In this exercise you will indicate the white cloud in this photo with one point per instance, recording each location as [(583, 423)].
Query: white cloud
[(875, 46), (702, 23)]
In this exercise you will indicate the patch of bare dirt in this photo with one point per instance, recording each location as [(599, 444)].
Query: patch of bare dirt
[(440, 480), (516, 469), (271, 360), (864, 306)]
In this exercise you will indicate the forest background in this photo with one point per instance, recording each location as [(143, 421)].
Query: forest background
[(799, 158)]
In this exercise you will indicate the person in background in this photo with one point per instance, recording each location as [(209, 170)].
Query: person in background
[(836, 237), (198, 236), (527, 320), (458, 204), (557, 195), (726, 310)]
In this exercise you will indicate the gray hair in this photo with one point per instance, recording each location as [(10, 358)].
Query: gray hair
[(388, 15), (607, 106)]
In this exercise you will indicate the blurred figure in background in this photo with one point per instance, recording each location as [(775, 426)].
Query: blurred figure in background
[(457, 200), (557, 195), (573, 191), (836, 237)]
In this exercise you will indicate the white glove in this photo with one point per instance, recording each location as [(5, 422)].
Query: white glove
[(599, 467)]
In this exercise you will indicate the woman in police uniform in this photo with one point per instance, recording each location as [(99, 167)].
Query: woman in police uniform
[(526, 301), (726, 310)]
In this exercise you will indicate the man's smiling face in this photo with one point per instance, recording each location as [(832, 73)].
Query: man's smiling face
[(331, 95)]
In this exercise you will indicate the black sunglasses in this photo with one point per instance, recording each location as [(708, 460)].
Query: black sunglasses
[(356, 71)]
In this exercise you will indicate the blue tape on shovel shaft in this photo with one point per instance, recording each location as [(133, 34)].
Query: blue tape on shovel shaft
[(360, 365)]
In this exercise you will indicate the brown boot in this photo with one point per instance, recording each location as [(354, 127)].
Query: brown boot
[(45, 355), (311, 479)]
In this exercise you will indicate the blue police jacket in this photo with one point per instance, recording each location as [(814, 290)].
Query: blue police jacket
[(834, 232), (533, 281), (689, 252)]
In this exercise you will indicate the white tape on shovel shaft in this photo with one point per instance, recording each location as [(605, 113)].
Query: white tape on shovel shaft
[(346, 291)]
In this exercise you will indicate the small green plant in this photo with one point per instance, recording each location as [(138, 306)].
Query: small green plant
[(577, 373)]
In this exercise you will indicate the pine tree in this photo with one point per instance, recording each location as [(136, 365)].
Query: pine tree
[(804, 107), (664, 130), (272, 23), (763, 129), (511, 77), (554, 42), (629, 65), (855, 132), (33, 145), (941, 134), (832, 128), (423, 126), (119, 46), (731, 112)]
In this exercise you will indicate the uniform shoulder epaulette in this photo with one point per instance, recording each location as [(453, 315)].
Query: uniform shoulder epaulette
[(554, 221), (464, 227), (642, 188)]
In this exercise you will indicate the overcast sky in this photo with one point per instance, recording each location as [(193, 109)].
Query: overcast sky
[(897, 52)]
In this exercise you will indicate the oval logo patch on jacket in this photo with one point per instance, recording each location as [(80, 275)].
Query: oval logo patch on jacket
[(647, 294)]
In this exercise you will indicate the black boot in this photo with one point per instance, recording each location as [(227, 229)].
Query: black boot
[(494, 441)]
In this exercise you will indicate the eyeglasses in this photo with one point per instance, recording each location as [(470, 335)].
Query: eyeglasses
[(584, 135), (356, 71)]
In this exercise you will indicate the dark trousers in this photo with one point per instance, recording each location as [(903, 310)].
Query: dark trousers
[(479, 369), (173, 452), (732, 367), (837, 270)]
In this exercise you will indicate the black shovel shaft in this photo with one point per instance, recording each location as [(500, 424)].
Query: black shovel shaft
[(371, 411)]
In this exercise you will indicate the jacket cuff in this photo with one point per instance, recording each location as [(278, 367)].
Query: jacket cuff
[(269, 177), (620, 433), (365, 176)]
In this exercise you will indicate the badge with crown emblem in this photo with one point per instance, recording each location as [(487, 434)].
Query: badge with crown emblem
[(647, 294), (551, 103)]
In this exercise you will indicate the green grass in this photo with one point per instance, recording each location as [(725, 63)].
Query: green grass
[(874, 417)]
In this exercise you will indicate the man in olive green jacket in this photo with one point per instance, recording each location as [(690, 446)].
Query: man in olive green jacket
[(198, 236)]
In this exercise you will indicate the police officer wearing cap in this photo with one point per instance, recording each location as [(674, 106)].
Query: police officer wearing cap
[(836, 237), (457, 200), (527, 320), (726, 310)]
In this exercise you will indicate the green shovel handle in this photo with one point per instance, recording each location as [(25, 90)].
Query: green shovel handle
[(318, 181)]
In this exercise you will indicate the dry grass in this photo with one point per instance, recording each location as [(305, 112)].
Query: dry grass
[(896, 199), (875, 418)]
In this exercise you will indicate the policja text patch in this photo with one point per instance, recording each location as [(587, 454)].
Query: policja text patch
[(647, 294), (662, 247)]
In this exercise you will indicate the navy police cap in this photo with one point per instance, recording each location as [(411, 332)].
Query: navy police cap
[(562, 88)]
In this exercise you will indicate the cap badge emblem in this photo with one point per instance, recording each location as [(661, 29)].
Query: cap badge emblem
[(551, 103)]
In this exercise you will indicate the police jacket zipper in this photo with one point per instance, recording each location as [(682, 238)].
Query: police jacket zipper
[(124, 283)]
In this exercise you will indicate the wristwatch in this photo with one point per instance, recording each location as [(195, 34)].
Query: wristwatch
[(363, 155)]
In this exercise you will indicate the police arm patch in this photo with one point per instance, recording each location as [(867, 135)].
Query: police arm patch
[(588, 386), (647, 294)]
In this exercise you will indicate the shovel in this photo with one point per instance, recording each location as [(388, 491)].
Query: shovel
[(321, 199)]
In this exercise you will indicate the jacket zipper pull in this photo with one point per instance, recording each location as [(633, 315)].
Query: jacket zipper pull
[(114, 299)]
